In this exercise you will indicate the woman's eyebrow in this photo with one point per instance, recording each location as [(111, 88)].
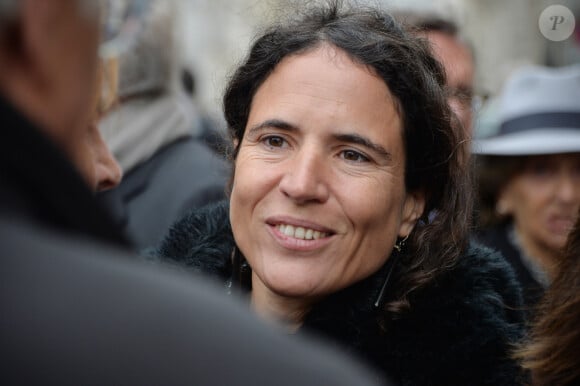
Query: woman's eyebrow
[(273, 123), (360, 140)]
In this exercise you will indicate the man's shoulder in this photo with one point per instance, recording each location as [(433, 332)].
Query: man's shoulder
[(77, 310)]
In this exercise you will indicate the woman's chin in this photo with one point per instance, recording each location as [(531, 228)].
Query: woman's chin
[(557, 243), (292, 279), (292, 289)]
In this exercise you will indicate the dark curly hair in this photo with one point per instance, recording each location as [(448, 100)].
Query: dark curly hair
[(435, 148)]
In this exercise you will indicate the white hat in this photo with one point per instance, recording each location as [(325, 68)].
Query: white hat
[(539, 113)]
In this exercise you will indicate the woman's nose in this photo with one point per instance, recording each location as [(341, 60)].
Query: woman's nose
[(568, 189), (107, 170), (305, 178)]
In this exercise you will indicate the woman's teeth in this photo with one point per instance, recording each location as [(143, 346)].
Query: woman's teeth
[(300, 233)]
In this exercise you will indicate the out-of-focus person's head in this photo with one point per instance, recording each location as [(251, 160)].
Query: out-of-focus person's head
[(452, 50), (49, 53), (530, 169), (340, 117), (49, 61)]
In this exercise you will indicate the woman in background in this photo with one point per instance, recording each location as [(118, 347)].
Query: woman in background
[(529, 174)]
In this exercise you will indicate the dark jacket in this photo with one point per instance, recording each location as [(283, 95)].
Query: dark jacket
[(458, 331), (497, 238), (183, 175), (76, 309)]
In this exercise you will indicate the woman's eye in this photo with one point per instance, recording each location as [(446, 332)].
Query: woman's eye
[(274, 141), (576, 171), (354, 156), (540, 170)]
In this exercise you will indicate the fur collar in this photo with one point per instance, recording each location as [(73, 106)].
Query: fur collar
[(458, 331)]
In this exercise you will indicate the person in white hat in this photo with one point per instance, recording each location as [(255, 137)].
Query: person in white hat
[(529, 173)]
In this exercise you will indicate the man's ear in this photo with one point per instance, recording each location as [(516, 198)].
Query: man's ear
[(412, 210)]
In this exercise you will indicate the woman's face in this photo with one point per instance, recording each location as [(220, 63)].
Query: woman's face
[(544, 200), (319, 197)]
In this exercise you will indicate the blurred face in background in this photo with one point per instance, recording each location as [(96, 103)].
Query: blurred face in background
[(49, 55), (97, 164), (49, 60), (92, 156), (543, 200), (66, 54), (460, 71)]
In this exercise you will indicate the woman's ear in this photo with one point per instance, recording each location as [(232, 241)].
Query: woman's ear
[(412, 210)]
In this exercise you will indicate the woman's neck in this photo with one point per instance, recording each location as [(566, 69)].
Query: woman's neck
[(287, 311)]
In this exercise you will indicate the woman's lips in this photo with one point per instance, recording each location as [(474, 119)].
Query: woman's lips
[(299, 235), (561, 224), (298, 223)]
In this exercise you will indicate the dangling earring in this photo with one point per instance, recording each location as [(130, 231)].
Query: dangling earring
[(241, 272), (400, 244), (377, 304)]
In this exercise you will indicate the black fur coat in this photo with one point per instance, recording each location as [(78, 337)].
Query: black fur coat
[(458, 331)]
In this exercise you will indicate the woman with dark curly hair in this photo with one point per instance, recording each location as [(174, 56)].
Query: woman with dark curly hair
[(350, 201)]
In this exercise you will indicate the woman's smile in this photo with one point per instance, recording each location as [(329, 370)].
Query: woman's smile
[(299, 235), (561, 224)]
